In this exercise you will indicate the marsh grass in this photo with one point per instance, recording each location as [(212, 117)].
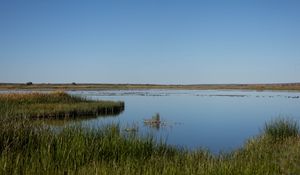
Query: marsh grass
[(27, 148), (55, 105), (281, 128)]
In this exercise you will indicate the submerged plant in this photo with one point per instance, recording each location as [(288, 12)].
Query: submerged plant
[(156, 117)]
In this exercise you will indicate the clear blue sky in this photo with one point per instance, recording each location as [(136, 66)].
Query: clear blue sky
[(150, 41)]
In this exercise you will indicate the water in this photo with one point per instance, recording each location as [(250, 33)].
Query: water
[(219, 120), (212, 119)]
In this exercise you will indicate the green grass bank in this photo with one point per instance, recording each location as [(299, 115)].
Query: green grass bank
[(26, 148)]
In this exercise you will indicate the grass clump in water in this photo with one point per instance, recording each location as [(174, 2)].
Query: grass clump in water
[(281, 128)]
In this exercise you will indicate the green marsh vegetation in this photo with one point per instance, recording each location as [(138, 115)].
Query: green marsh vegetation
[(54, 105), (281, 128), (29, 148)]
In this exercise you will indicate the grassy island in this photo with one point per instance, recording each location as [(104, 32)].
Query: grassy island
[(54, 105)]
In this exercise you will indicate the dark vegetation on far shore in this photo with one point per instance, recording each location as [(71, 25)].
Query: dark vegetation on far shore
[(78, 86)]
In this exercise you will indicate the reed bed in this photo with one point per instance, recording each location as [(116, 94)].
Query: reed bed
[(27, 148), (54, 105), (281, 128)]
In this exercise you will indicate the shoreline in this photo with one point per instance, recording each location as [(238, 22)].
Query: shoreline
[(69, 87)]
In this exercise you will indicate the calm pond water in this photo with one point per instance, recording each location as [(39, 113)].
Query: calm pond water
[(219, 120), (213, 119)]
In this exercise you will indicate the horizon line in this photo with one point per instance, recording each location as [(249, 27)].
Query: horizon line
[(152, 84)]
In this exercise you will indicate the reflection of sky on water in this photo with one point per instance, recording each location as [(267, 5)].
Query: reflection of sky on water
[(218, 120), (213, 119)]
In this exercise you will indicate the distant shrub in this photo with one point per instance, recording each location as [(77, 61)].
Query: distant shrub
[(29, 83), (281, 128), (73, 83)]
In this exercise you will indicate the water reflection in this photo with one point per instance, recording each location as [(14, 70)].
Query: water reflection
[(66, 121), (212, 119)]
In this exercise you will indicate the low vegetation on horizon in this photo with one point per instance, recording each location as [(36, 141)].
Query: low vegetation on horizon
[(78, 86)]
